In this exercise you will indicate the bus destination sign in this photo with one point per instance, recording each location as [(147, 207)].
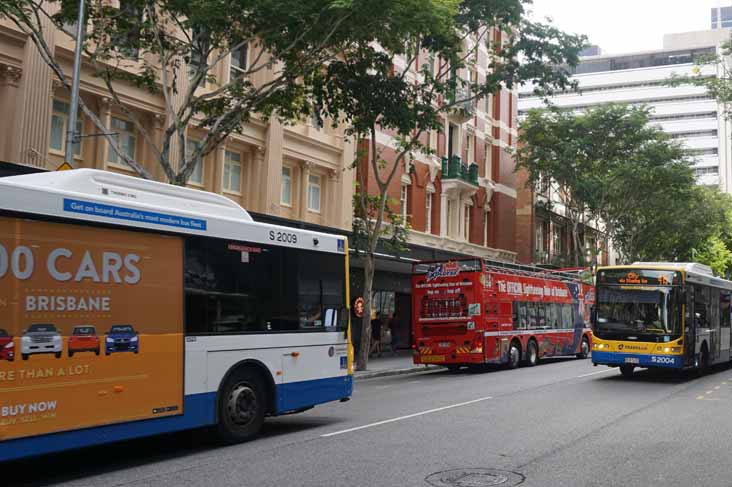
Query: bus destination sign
[(638, 277)]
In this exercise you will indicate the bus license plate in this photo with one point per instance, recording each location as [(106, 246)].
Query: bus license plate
[(444, 344), (632, 360), (432, 358)]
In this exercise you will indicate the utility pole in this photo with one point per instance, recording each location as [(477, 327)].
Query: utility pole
[(71, 136)]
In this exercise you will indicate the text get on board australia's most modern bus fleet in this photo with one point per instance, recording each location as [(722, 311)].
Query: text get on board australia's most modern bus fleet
[(129, 308), (473, 312), (661, 315)]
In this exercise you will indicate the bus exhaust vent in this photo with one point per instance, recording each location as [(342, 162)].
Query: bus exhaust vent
[(475, 477)]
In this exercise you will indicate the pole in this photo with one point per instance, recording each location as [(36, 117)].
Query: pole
[(71, 135)]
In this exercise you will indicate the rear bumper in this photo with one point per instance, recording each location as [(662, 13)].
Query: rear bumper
[(449, 358), (639, 360)]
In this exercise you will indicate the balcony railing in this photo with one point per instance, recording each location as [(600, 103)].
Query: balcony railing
[(453, 168)]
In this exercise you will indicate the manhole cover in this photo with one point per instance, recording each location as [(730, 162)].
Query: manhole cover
[(474, 477)]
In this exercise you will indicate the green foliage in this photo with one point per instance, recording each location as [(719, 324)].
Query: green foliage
[(717, 255), (612, 165)]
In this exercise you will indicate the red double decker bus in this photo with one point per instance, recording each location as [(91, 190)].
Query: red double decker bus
[(475, 312)]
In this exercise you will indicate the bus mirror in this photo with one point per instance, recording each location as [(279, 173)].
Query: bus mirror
[(593, 315)]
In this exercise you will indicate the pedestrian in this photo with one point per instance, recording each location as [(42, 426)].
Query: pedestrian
[(394, 328), (376, 336)]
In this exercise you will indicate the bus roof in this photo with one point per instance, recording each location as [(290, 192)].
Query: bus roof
[(694, 272), (105, 197)]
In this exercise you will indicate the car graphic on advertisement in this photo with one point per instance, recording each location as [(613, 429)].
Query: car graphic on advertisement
[(7, 347), (121, 338), (83, 339), (41, 338)]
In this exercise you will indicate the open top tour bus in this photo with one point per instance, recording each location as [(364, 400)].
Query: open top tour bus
[(476, 312), (130, 307)]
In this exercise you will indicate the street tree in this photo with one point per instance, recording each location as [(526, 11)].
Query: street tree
[(175, 49), (610, 166), (381, 82)]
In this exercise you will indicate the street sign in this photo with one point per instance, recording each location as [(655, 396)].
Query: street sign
[(64, 167)]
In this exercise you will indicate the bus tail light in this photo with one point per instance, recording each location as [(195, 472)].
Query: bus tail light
[(478, 344)]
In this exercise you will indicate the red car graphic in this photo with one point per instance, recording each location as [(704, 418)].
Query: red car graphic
[(83, 339), (7, 347)]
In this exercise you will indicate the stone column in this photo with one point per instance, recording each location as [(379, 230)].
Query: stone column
[(103, 147), (443, 215), (461, 219), (270, 179), (303, 201), (32, 126), (218, 169), (9, 98), (254, 188)]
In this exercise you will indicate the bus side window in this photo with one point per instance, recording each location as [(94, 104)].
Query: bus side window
[(567, 317), (516, 323), (533, 315), (541, 315), (552, 320), (724, 308), (523, 316)]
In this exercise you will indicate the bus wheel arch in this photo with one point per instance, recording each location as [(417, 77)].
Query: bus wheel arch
[(514, 354), (244, 397), (584, 347)]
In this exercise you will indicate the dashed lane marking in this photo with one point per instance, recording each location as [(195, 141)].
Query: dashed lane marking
[(408, 416), (595, 373)]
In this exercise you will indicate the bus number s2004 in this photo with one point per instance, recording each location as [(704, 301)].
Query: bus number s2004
[(282, 237)]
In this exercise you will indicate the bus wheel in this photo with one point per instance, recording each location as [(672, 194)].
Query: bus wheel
[(627, 370), (242, 404), (532, 354), (514, 355), (703, 367), (584, 348)]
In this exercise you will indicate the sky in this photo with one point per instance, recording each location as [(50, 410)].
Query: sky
[(620, 26)]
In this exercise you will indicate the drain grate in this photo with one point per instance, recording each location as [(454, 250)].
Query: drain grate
[(475, 477)]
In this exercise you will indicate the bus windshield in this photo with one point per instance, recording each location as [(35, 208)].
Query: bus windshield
[(633, 311)]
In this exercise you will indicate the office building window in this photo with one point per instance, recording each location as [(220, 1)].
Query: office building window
[(59, 126), (232, 172), (125, 138), (286, 192), (197, 174), (314, 190), (239, 62)]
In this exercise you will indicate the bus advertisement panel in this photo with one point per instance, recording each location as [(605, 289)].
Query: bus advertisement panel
[(91, 321)]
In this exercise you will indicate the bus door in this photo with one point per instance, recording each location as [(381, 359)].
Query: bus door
[(724, 323)]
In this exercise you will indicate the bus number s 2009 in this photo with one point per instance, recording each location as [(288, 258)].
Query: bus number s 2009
[(282, 237)]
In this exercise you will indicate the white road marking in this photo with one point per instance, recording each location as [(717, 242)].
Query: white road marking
[(400, 418), (595, 373)]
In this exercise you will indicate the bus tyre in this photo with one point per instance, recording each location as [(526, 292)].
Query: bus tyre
[(627, 370), (584, 348), (703, 367), (514, 355), (532, 354), (242, 404)]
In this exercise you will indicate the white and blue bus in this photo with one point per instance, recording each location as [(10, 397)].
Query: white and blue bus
[(131, 308)]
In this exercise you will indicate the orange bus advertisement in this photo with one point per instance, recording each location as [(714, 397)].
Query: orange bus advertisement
[(91, 327)]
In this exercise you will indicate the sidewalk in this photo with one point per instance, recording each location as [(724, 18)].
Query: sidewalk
[(390, 364)]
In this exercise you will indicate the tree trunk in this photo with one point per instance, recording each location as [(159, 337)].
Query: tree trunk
[(368, 281)]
